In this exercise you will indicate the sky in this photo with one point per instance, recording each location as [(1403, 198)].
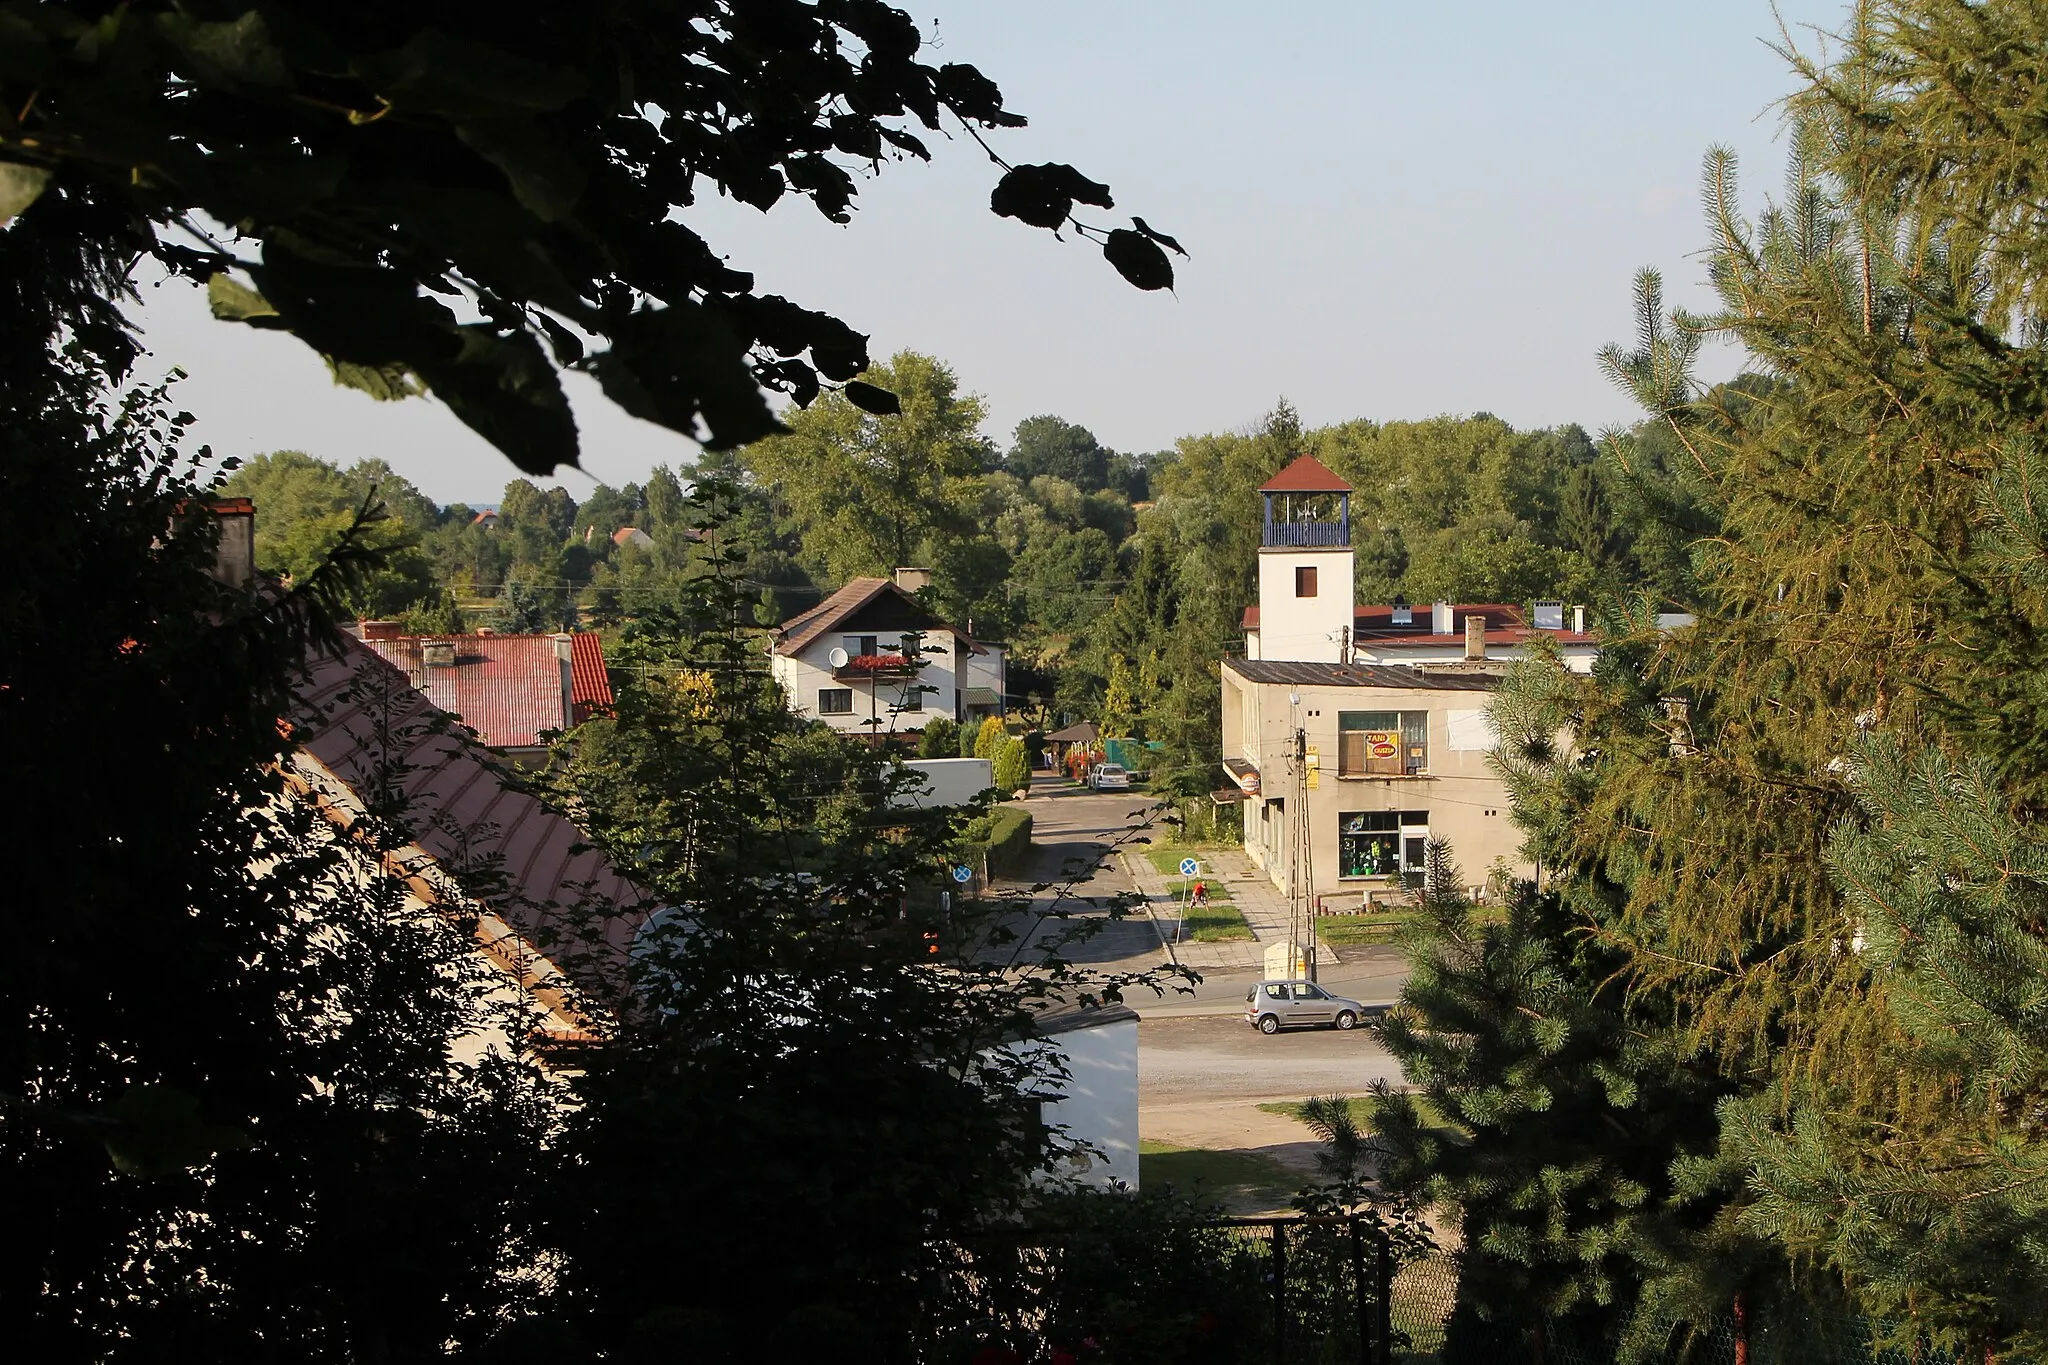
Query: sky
[(1392, 211)]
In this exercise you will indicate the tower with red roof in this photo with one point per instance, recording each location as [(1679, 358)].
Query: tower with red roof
[(1305, 559)]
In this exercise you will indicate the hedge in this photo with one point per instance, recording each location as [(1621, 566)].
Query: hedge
[(1004, 835)]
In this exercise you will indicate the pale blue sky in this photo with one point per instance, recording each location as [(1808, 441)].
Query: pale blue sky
[(1394, 210)]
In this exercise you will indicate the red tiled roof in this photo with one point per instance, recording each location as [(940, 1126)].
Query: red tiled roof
[(507, 688), (1305, 475), (358, 722), (589, 684)]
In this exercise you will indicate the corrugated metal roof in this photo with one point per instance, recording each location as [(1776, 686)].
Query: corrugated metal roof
[(507, 688), (1358, 675), (590, 684)]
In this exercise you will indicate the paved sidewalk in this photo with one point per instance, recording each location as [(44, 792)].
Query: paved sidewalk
[(1162, 902), (1263, 905)]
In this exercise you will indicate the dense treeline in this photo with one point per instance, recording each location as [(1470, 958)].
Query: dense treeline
[(1117, 579)]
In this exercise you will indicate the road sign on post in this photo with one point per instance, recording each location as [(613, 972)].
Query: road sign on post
[(963, 873), (1189, 867)]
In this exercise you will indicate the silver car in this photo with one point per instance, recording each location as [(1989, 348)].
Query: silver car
[(1273, 1005), (1110, 777)]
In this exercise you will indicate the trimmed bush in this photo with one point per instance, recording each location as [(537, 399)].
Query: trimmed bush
[(1004, 835), (1012, 767), (989, 738), (940, 738)]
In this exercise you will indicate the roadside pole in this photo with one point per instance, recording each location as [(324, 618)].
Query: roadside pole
[(1188, 868)]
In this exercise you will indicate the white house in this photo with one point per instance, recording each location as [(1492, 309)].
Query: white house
[(843, 661)]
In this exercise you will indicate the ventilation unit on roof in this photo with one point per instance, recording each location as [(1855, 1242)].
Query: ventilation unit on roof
[(437, 653), (1550, 616), (1404, 615)]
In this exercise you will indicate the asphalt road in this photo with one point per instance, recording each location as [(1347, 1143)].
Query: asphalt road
[(1222, 1058)]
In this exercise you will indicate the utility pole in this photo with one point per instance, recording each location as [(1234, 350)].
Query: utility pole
[(1300, 870)]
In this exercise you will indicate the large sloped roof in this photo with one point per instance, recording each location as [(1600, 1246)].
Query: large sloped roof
[(799, 632), (360, 725), (1306, 475)]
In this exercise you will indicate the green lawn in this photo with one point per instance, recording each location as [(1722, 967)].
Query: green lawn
[(1362, 1112), (1242, 1182), (1340, 931), (1216, 922), (1165, 860)]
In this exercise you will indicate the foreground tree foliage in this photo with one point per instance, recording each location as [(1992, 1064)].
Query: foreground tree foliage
[(530, 163), (1805, 827)]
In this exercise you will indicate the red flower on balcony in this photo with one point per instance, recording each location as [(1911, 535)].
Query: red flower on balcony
[(875, 663)]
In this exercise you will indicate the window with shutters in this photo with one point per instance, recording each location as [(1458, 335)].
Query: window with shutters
[(1305, 581), (1382, 743)]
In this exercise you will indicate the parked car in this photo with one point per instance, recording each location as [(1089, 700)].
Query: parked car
[(1273, 1005), (1110, 777)]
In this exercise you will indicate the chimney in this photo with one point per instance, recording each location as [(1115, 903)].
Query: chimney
[(910, 580), (1475, 637), (1578, 620), (234, 558), (1440, 620), (565, 652), (437, 653), (379, 630)]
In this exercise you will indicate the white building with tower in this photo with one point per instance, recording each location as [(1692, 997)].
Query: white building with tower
[(1357, 735)]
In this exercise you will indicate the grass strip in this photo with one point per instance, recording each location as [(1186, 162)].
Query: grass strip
[(1242, 1182)]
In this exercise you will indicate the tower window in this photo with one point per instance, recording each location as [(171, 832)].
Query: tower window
[(1305, 581)]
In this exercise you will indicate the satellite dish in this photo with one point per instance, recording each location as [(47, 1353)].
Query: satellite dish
[(837, 658)]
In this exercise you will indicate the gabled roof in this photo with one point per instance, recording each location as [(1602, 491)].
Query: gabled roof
[(359, 724), (1306, 475), (801, 631)]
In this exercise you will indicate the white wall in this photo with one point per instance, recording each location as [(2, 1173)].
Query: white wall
[(950, 781), (1100, 1105), (1304, 629), (802, 676)]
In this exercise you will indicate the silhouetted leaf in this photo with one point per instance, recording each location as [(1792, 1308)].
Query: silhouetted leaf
[(503, 388), (155, 1130), (1138, 259), (233, 302), (1044, 196), (1160, 237), (868, 398), (238, 54), (437, 74), (669, 365), (543, 174)]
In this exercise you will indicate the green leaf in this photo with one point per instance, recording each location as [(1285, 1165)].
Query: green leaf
[(157, 1131), (238, 54), (673, 365), (385, 383), (437, 74), (234, 302), (1138, 259), (544, 176), (504, 389), (868, 398), (20, 186)]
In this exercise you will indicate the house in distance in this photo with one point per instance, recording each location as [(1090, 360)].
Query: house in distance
[(843, 661)]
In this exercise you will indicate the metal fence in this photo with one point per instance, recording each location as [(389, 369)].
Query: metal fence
[(1241, 1291), (1308, 1291)]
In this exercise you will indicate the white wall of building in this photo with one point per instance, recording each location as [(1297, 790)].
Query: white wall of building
[(1304, 629), (804, 675), (1100, 1103)]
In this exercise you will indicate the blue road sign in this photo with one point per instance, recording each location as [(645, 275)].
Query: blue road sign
[(1189, 867), (963, 874)]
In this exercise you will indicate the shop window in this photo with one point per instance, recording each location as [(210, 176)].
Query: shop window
[(1382, 843), (1382, 743)]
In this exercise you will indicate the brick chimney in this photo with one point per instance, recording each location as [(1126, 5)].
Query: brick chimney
[(1475, 637), (234, 558), (910, 580), (565, 654), (379, 630)]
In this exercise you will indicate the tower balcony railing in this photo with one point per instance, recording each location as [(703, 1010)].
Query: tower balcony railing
[(1308, 534)]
